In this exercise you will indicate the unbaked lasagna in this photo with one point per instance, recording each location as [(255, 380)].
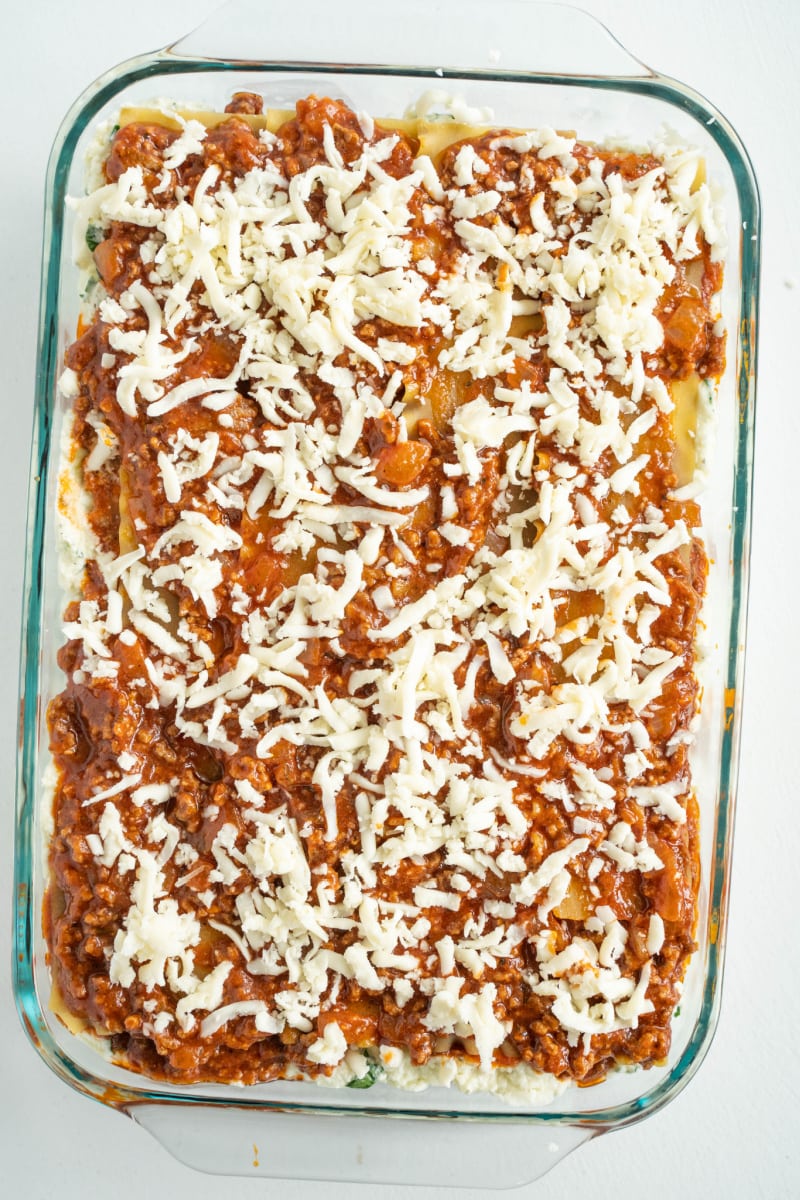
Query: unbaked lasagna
[(379, 524)]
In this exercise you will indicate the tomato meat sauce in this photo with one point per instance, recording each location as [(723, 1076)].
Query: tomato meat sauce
[(380, 680)]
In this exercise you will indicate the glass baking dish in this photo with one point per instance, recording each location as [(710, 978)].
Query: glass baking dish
[(532, 64)]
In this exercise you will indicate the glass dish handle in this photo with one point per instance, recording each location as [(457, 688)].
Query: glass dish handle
[(358, 1149), (543, 39)]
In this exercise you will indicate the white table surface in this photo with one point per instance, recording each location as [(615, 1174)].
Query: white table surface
[(735, 1131)]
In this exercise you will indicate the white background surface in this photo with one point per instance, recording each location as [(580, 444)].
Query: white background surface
[(735, 1132)]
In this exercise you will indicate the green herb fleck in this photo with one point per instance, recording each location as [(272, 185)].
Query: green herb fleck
[(366, 1081), (94, 237), (115, 130), (678, 1011)]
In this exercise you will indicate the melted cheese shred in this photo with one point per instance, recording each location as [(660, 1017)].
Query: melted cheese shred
[(547, 317)]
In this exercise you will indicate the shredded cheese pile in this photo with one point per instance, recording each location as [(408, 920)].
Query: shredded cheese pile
[(294, 270)]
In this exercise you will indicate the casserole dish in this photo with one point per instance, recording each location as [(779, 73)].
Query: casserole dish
[(595, 105)]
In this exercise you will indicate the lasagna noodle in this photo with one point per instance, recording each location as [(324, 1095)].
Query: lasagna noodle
[(433, 136)]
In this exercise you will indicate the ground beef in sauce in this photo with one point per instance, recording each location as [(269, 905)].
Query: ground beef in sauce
[(213, 834)]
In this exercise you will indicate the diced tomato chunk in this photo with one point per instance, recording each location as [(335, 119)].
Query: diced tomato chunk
[(402, 463)]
